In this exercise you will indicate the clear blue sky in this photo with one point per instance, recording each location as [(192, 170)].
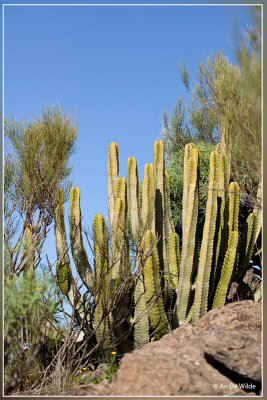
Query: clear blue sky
[(116, 68)]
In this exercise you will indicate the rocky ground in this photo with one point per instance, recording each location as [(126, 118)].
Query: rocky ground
[(218, 355)]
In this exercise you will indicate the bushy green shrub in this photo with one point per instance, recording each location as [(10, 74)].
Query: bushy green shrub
[(30, 306)]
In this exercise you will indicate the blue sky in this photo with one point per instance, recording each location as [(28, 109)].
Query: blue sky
[(115, 68)]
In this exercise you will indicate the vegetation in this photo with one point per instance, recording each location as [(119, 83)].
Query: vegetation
[(36, 163), (31, 335), (226, 105), (169, 250), (130, 302)]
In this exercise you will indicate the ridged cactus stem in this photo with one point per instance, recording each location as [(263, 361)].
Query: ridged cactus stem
[(113, 170), (148, 199), (161, 217), (227, 269), (121, 189), (222, 227), (222, 185), (233, 206), (64, 275), (100, 249), (206, 252), (119, 242), (152, 286), (78, 251), (102, 297), (189, 233), (141, 327), (213, 172), (133, 198), (186, 178), (247, 242), (173, 260), (171, 228)]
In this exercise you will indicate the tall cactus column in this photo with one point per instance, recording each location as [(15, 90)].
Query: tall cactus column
[(170, 224), (190, 215), (148, 198), (230, 256), (119, 234), (133, 199), (113, 170), (205, 258), (141, 327), (173, 260), (147, 220), (163, 223), (247, 242), (186, 179), (102, 316), (65, 278), (77, 247), (152, 286), (208, 243), (222, 228)]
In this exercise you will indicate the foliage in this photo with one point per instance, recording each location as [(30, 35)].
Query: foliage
[(226, 104), (176, 131), (36, 163), (37, 156), (30, 310)]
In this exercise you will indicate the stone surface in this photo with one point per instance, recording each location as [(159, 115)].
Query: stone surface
[(239, 352), (184, 369), (218, 355)]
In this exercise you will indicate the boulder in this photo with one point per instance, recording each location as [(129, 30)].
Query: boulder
[(219, 362)]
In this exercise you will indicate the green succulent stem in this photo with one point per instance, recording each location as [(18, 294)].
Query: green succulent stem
[(247, 242), (227, 269), (161, 218), (141, 326), (189, 233), (77, 247), (113, 170), (173, 260), (206, 253), (65, 278), (153, 296), (133, 198), (102, 296), (148, 198)]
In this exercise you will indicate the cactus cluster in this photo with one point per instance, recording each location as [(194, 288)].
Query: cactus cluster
[(169, 285)]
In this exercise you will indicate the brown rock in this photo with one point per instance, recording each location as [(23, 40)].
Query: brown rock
[(184, 368), (239, 352)]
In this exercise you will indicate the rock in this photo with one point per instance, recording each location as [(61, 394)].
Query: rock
[(239, 353), (212, 363)]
